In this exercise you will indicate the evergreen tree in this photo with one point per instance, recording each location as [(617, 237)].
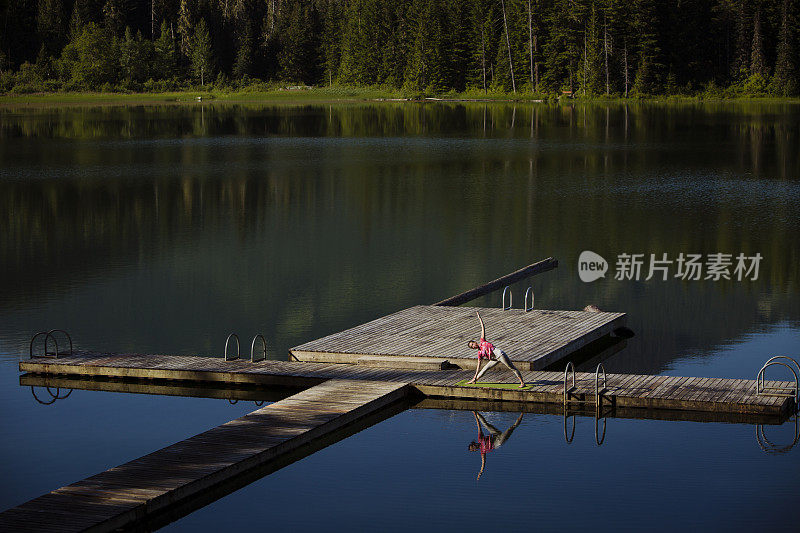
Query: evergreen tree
[(741, 61), (299, 58), (360, 59), (784, 82), (483, 37), (202, 54), (592, 55), (758, 63), (645, 28), (426, 65), (50, 24), (185, 24), (165, 53), (331, 51), (564, 46)]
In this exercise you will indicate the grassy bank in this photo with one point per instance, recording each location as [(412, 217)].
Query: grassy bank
[(335, 94)]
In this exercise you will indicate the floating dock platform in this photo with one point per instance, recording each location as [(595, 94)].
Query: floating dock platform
[(624, 390), (436, 336)]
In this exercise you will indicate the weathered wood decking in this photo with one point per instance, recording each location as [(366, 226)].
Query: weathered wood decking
[(134, 491), (623, 390), (533, 340)]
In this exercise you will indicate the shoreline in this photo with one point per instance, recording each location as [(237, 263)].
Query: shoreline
[(346, 96)]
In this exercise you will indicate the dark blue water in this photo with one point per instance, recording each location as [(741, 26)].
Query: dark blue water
[(163, 229)]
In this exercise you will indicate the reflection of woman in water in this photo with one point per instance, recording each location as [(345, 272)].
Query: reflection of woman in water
[(493, 440)]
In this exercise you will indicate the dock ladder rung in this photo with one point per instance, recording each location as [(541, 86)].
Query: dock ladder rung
[(507, 290), (598, 392), (527, 292), (784, 392), (227, 341)]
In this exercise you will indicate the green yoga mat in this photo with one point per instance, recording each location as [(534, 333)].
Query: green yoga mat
[(511, 386)]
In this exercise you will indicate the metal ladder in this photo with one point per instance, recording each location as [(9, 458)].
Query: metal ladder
[(598, 393), (507, 290), (47, 336), (252, 348), (785, 392)]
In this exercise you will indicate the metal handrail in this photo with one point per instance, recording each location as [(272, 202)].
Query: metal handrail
[(528, 291), (50, 334), (761, 389), (566, 372), (235, 336), (30, 348), (507, 289), (253, 346), (47, 336), (597, 382), (233, 401)]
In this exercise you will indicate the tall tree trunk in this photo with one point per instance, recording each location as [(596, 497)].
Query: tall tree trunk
[(483, 56), (530, 41), (625, 60), (508, 45), (585, 62), (605, 49)]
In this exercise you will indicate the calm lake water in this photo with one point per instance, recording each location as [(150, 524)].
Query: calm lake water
[(163, 228)]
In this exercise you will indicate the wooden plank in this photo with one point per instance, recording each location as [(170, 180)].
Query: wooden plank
[(525, 272)]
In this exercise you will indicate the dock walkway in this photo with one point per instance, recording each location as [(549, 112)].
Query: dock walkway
[(134, 491), (623, 390), (533, 340)]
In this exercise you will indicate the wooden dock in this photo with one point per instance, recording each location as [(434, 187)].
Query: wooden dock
[(432, 334), (623, 390), (139, 490)]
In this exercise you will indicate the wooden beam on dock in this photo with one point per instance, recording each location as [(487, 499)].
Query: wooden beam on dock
[(525, 272), (131, 493)]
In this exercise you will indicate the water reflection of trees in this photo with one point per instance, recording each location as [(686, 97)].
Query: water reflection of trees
[(363, 227)]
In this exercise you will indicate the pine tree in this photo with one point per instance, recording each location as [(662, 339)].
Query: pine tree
[(645, 28), (741, 60), (185, 34), (50, 24), (784, 82), (758, 63), (482, 22), (426, 62), (165, 54), (591, 72), (202, 54), (331, 51), (564, 45), (299, 58), (115, 15)]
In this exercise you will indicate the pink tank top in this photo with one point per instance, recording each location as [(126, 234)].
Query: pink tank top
[(485, 349)]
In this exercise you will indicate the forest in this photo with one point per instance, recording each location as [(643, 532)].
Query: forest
[(615, 48)]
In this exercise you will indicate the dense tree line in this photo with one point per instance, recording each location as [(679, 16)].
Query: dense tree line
[(592, 47)]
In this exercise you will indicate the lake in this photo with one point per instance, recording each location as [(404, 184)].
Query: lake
[(163, 228)]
